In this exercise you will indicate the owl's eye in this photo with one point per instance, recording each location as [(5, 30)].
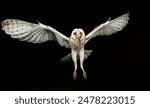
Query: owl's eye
[(74, 33), (80, 33)]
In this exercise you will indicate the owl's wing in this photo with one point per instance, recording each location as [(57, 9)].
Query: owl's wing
[(109, 27), (35, 33)]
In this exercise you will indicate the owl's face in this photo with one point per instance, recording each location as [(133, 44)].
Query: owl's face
[(78, 33)]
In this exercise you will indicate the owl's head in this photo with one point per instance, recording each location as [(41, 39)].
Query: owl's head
[(78, 33)]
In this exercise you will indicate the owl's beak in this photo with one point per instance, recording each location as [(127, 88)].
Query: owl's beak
[(79, 35)]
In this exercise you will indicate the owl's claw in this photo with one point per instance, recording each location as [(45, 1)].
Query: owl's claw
[(74, 75), (85, 75)]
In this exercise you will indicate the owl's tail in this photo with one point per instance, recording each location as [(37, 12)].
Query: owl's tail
[(68, 57)]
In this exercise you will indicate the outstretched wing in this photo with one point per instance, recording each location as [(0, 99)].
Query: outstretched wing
[(35, 33), (109, 27)]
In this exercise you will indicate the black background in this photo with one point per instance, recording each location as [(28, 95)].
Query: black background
[(118, 62)]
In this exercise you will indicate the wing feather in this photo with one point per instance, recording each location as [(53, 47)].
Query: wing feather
[(35, 33), (28, 36), (109, 27)]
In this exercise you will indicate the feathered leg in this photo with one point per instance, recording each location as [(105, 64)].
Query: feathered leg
[(81, 62), (74, 58)]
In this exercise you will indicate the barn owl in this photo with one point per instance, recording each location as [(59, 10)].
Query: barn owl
[(38, 33)]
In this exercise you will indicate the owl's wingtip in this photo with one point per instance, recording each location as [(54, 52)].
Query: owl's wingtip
[(3, 23), (127, 13)]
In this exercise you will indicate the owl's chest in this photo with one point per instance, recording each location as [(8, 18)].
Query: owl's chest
[(77, 44)]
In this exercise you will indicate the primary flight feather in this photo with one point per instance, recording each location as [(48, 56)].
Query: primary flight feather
[(38, 33)]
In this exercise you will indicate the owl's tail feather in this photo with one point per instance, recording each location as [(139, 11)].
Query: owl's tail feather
[(68, 57)]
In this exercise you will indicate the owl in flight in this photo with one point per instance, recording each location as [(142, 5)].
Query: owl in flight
[(38, 33)]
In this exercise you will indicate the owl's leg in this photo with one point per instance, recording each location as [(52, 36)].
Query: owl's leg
[(81, 62), (74, 58)]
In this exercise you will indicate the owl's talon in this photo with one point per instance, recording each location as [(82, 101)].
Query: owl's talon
[(74, 75), (84, 75)]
